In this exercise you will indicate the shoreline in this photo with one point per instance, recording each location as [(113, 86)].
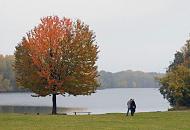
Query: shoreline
[(97, 89)]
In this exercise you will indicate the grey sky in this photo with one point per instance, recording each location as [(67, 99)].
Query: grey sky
[(132, 34)]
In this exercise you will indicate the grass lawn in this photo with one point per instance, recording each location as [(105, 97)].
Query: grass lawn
[(141, 121)]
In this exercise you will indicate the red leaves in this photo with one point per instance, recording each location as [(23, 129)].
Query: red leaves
[(63, 55), (44, 48), (67, 22)]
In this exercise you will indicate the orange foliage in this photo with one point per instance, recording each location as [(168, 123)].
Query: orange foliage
[(43, 44), (63, 53)]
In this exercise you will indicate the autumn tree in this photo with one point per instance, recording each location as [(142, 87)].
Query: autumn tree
[(175, 85), (57, 57)]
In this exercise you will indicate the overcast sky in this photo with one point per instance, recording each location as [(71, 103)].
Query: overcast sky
[(132, 34)]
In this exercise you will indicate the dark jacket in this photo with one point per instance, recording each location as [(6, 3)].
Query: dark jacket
[(133, 105)]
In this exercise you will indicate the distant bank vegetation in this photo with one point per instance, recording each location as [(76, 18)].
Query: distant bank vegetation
[(123, 79), (128, 79), (7, 76)]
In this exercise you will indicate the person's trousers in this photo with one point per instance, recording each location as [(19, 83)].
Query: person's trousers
[(128, 111)]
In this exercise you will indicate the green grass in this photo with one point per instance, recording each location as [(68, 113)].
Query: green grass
[(141, 121)]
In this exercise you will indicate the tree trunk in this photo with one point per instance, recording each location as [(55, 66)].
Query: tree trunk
[(54, 109)]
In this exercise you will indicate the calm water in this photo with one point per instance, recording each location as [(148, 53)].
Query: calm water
[(103, 101)]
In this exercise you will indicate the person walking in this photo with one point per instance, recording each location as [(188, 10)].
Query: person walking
[(133, 107), (128, 107)]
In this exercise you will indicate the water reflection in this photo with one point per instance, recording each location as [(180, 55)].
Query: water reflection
[(37, 109)]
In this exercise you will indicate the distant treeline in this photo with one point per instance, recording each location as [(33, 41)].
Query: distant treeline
[(7, 76), (123, 79), (129, 79)]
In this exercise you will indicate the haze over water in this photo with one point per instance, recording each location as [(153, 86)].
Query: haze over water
[(104, 101)]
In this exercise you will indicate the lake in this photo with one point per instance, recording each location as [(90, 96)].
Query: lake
[(103, 101)]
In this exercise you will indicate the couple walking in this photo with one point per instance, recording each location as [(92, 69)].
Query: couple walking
[(131, 107)]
